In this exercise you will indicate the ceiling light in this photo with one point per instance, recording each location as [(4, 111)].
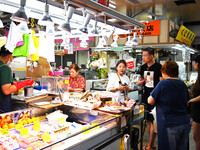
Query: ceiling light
[(128, 43), (20, 15), (114, 44), (66, 25), (86, 21), (134, 41), (46, 20), (95, 31), (1, 24)]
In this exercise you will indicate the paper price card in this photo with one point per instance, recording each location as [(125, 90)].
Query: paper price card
[(61, 120), (19, 126), (30, 148), (86, 132), (66, 81), (24, 131), (4, 131), (94, 124), (46, 137), (109, 102), (36, 127), (36, 122)]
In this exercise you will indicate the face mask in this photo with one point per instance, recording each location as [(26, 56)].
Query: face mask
[(8, 63)]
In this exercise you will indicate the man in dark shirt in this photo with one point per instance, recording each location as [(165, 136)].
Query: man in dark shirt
[(150, 76)]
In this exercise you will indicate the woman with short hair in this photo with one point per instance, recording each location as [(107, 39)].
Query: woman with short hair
[(170, 97), (76, 82)]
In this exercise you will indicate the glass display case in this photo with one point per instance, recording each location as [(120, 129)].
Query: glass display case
[(72, 128), (99, 85)]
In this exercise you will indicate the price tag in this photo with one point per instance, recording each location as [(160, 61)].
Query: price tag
[(46, 137), (24, 131), (36, 127), (19, 126), (94, 124), (109, 102), (30, 148), (86, 132), (61, 120), (66, 81), (4, 131), (36, 122)]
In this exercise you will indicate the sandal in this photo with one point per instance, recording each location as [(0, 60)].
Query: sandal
[(148, 148)]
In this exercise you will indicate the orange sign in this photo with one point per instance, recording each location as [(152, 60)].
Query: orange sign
[(151, 28)]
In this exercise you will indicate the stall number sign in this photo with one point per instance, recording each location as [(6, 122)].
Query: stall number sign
[(185, 35)]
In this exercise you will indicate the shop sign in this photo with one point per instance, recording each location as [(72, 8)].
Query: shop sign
[(185, 35), (151, 28)]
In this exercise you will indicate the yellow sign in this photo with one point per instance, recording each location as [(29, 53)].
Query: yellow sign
[(4, 131), (24, 131), (19, 126), (36, 122), (185, 35), (46, 137), (29, 148)]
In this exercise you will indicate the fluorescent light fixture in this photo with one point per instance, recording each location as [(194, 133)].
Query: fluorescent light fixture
[(20, 15), (46, 20), (86, 21), (66, 25), (112, 5), (178, 48), (1, 24)]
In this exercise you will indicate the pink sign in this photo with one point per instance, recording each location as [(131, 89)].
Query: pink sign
[(76, 43)]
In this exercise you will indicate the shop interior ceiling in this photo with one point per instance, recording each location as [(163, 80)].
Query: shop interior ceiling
[(180, 11)]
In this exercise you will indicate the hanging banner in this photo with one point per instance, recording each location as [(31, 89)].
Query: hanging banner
[(185, 35)]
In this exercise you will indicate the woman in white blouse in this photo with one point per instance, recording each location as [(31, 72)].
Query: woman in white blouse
[(119, 82)]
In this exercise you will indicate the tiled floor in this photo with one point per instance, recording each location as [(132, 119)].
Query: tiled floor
[(146, 139)]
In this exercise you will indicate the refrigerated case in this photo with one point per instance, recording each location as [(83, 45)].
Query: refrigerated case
[(98, 128)]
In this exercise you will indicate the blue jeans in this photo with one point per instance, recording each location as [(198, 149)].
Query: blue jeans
[(178, 137)]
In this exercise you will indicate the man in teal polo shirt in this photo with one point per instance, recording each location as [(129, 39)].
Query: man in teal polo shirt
[(6, 83)]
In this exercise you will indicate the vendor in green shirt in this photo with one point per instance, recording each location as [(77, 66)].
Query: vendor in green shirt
[(6, 83)]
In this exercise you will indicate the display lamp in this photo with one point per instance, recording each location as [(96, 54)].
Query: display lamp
[(95, 31), (20, 15), (46, 19), (114, 44), (50, 30), (86, 22), (134, 41), (128, 43), (66, 25), (1, 24)]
